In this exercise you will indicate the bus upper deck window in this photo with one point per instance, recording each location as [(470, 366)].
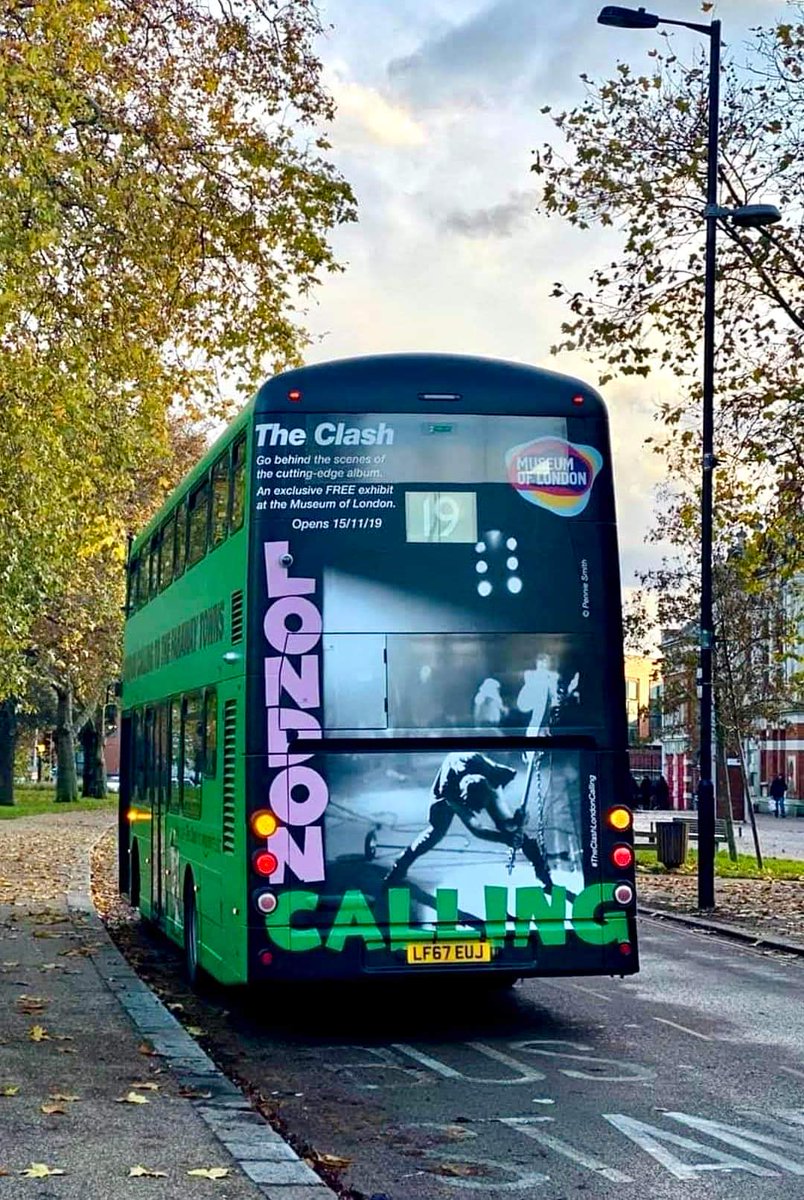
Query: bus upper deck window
[(198, 522), (220, 500), (238, 502)]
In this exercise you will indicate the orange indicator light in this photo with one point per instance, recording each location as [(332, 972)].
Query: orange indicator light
[(135, 816), (619, 818), (264, 823)]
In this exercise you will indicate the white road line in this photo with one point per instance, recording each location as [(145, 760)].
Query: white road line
[(433, 1063), (684, 1029), (566, 983), (793, 1071), (524, 1125)]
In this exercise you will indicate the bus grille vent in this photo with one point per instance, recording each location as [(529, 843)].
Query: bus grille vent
[(229, 737), (237, 617)]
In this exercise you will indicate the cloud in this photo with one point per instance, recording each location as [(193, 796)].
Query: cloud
[(367, 113), (489, 47), (496, 220)]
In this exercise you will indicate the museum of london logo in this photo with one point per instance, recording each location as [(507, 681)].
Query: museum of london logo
[(554, 474)]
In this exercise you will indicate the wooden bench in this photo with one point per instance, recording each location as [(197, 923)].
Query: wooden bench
[(646, 837)]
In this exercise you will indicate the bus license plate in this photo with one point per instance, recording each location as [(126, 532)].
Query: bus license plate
[(448, 953)]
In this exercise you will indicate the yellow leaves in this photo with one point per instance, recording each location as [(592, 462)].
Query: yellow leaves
[(38, 1033), (336, 1162), (209, 1172), (64, 1097), (133, 1098), (41, 1171), (51, 1110), (9, 1089), (146, 1173)]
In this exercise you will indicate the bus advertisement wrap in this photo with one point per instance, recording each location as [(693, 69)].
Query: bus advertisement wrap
[(404, 592)]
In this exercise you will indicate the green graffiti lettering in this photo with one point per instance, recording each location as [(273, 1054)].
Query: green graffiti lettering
[(547, 911), (399, 919), (354, 918), (279, 927), (613, 927), (496, 914)]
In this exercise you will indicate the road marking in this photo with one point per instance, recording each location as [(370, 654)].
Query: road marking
[(744, 1139), (434, 1064), (625, 1072), (524, 1071), (650, 1138), (684, 1029), (792, 1071), (527, 1125), (589, 991)]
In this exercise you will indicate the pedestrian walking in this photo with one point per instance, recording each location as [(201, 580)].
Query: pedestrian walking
[(661, 792), (777, 790)]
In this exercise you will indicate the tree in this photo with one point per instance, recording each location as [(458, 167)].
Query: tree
[(634, 159), (164, 210)]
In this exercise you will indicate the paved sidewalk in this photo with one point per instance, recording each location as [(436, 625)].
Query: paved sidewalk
[(96, 1076)]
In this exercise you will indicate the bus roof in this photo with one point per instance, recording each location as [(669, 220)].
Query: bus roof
[(407, 382)]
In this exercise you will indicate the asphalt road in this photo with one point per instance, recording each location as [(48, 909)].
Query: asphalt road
[(684, 1081)]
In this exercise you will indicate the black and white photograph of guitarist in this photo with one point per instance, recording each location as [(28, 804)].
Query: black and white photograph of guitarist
[(467, 786)]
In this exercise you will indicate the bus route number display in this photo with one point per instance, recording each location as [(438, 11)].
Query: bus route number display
[(440, 517)]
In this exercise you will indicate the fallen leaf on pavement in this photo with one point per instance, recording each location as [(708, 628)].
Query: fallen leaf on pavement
[(63, 1097), (133, 1098), (8, 1089), (195, 1030), (336, 1161), (38, 1033), (459, 1170), (41, 1171), (51, 1110), (190, 1093), (146, 1173), (31, 1005), (145, 1087), (210, 1172)]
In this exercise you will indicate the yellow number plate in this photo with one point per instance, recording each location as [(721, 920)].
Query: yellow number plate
[(448, 953)]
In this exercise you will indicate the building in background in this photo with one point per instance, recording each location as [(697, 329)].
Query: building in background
[(644, 749)]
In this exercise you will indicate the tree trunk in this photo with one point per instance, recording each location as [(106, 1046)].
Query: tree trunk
[(93, 741), (749, 802), (66, 777), (729, 819), (8, 745)]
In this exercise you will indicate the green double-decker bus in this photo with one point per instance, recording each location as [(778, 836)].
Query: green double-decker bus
[(373, 699)]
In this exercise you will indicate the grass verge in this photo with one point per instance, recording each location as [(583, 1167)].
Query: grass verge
[(744, 868), (31, 801)]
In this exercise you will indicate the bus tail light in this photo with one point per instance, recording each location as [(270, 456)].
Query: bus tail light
[(264, 823), (619, 818), (266, 958), (265, 902), (625, 949), (294, 395), (623, 893), (622, 857), (265, 863)]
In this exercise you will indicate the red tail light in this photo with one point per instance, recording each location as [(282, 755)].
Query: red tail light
[(622, 856), (265, 863)]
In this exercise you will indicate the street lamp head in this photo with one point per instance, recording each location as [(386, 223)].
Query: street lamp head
[(627, 18), (754, 216)]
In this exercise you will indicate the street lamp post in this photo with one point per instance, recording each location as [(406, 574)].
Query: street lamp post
[(747, 216)]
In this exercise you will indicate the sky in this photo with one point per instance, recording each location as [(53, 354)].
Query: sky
[(438, 115)]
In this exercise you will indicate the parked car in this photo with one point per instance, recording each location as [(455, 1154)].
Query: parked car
[(113, 783)]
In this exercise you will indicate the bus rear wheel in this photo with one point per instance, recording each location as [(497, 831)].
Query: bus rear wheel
[(190, 932)]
